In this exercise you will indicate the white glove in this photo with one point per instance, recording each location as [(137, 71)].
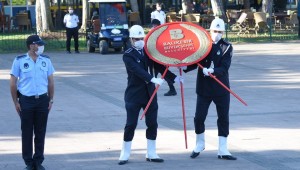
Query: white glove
[(179, 79), (210, 70), (158, 81), (205, 71)]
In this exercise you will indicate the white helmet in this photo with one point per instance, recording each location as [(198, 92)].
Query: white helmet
[(217, 24), (136, 31)]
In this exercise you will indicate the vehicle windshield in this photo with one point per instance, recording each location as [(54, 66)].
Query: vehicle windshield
[(113, 14)]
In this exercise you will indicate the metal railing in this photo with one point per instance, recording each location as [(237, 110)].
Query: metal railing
[(14, 40)]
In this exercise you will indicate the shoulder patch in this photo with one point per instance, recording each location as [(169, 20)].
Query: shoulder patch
[(128, 50), (42, 55), (225, 47), (20, 56)]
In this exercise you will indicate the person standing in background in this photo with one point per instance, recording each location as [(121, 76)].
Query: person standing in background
[(71, 22), (159, 14)]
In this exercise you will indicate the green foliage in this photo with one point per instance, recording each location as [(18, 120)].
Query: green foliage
[(56, 41), (16, 42)]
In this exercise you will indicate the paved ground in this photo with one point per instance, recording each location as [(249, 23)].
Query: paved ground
[(85, 127)]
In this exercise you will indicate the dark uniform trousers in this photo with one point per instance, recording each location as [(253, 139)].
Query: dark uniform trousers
[(222, 106), (208, 90), (72, 32), (133, 110), (169, 81), (139, 91), (34, 116)]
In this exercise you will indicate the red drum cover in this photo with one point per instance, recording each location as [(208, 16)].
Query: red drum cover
[(178, 44)]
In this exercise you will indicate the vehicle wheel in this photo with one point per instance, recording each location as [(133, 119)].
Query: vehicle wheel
[(103, 47), (118, 49), (90, 49)]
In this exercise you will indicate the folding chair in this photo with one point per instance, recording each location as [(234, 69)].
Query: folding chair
[(292, 22), (193, 18), (261, 24), (240, 25), (171, 17)]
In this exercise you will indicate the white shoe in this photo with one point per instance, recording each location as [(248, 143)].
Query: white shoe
[(223, 146), (151, 152), (200, 145), (125, 153), (223, 152)]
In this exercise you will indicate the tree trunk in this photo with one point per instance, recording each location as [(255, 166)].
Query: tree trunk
[(43, 13), (84, 15), (187, 7), (218, 9), (267, 7), (246, 4), (38, 20), (134, 6)]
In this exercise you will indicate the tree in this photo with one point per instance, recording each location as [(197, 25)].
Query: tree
[(43, 19), (134, 5), (267, 8), (218, 9), (84, 15), (186, 7), (246, 4)]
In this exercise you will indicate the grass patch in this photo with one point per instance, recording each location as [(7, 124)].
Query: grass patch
[(56, 41)]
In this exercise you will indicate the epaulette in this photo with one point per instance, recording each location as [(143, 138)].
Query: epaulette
[(20, 56), (128, 50), (225, 46), (43, 55)]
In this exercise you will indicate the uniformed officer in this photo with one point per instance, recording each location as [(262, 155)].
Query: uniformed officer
[(140, 87), (208, 90), (32, 90), (71, 21)]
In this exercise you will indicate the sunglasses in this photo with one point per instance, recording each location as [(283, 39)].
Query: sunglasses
[(137, 39)]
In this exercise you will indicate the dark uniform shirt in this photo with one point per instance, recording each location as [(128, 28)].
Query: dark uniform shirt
[(220, 55), (139, 68)]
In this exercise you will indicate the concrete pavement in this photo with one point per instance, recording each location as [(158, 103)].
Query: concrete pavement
[(85, 126)]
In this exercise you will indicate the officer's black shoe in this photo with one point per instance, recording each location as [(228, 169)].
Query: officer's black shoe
[(29, 167), (68, 52), (195, 154), (39, 167), (227, 157), (154, 160), (171, 93), (123, 162), (77, 52)]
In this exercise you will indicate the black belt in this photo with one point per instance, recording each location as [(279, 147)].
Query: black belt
[(36, 96)]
